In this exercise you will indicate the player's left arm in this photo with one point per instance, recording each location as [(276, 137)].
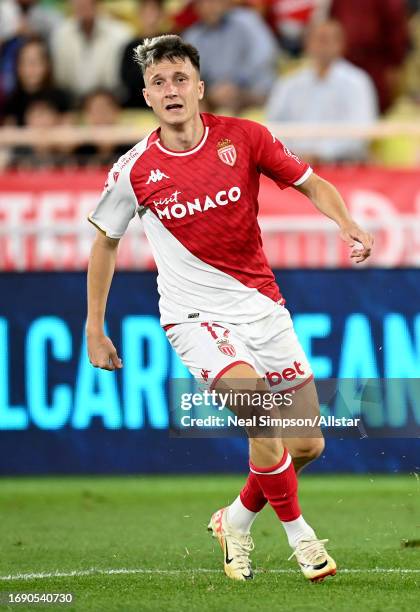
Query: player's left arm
[(327, 200)]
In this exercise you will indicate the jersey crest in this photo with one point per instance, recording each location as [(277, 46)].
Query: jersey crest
[(226, 348), (226, 151)]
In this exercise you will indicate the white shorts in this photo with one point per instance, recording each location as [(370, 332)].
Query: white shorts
[(269, 345)]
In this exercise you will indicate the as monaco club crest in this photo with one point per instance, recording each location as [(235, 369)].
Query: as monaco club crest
[(226, 348), (226, 151)]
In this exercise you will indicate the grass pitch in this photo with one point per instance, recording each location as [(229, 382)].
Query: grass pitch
[(70, 533)]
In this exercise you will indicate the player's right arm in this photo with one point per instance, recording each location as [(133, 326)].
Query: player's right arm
[(115, 209), (102, 353)]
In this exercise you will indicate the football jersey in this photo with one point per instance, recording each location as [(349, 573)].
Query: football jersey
[(199, 211)]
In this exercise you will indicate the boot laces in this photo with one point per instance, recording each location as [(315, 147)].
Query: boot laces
[(240, 546), (312, 550)]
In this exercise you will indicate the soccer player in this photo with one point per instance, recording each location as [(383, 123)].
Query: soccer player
[(194, 183)]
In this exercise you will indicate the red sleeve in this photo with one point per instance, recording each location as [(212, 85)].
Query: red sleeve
[(275, 160)]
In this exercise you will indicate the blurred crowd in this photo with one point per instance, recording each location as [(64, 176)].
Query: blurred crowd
[(302, 61)]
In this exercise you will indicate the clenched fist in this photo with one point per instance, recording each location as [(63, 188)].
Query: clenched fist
[(102, 353)]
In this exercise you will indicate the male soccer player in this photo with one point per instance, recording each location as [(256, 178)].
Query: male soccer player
[(194, 183)]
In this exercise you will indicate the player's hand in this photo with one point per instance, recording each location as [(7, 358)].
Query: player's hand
[(358, 240), (102, 353)]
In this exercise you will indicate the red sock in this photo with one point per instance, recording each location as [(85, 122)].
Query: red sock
[(279, 485), (251, 495)]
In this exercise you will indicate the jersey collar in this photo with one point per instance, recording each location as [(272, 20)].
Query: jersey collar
[(187, 151)]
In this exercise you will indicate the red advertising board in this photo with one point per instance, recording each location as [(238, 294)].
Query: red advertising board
[(43, 220)]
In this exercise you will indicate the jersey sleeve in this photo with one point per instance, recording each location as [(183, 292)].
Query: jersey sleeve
[(117, 205), (275, 160)]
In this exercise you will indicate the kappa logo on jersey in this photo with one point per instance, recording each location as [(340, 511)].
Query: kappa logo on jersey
[(226, 151), (156, 176), (176, 210), (226, 348)]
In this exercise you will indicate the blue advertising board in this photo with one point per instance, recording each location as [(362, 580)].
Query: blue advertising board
[(58, 414)]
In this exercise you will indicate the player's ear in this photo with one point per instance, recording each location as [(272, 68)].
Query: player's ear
[(200, 90), (146, 96)]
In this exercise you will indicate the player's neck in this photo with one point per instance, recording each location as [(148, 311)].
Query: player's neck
[(182, 137)]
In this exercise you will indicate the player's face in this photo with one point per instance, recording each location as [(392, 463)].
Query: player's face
[(173, 90)]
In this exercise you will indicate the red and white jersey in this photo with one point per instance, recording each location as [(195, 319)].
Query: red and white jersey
[(199, 211)]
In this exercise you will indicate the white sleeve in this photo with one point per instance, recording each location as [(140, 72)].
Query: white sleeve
[(117, 206)]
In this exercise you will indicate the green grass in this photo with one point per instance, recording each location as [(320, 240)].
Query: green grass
[(159, 523)]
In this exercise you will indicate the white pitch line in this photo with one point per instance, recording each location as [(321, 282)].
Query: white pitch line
[(201, 570)]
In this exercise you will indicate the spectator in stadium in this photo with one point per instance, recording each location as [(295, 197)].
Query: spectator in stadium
[(100, 108), (238, 52), (20, 19), (328, 90), (186, 14), (25, 18), (34, 81), (152, 21), (289, 19), (44, 115), (377, 40), (87, 49)]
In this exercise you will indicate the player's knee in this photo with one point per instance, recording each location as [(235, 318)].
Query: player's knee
[(265, 451), (309, 448)]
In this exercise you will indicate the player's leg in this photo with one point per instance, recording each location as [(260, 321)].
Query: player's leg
[(213, 349), (231, 525), (273, 470), (305, 446), (203, 347), (278, 353), (303, 450)]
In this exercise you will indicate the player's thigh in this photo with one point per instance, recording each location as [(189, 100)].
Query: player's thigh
[(279, 354), (289, 376), (251, 401), (218, 355)]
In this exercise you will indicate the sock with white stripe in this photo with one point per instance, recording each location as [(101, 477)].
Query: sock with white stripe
[(280, 487)]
